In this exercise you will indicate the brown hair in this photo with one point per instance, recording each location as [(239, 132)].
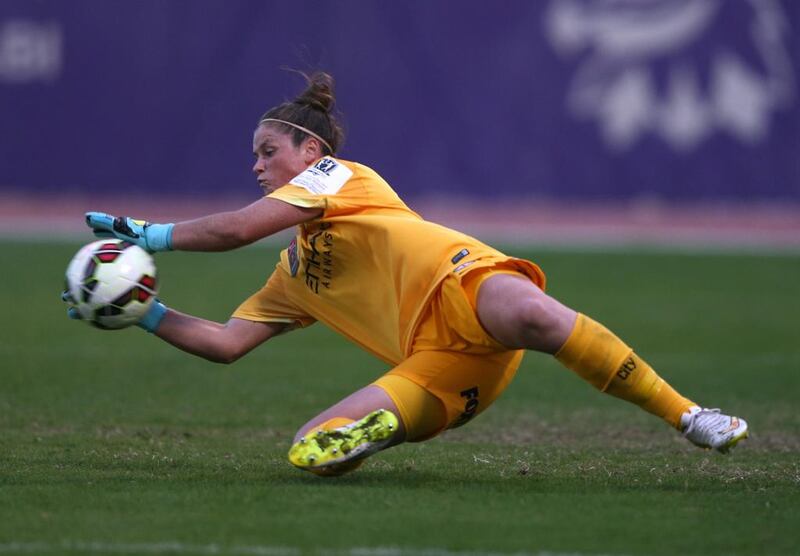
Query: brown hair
[(313, 110)]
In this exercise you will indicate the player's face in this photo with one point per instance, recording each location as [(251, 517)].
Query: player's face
[(278, 160)]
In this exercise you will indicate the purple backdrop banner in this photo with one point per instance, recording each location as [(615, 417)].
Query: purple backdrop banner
[(567, 99)]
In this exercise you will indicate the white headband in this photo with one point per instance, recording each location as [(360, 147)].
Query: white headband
[(301, 128)]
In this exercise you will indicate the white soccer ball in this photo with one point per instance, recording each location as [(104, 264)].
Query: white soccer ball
[(111, 283)]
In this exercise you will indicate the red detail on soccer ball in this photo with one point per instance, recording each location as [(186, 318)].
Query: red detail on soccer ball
[(108, 256), (142, 295), (148, 282)]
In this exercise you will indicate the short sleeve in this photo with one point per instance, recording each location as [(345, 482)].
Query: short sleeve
[(329, 184), (270, 304)]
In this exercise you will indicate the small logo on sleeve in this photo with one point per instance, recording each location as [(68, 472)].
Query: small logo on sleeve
[(460, 255), (462, 266), (326, 177), (326, 165)]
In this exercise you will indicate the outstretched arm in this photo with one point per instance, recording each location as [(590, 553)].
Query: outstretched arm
[(220, 343), (228, 230), (218, 232)]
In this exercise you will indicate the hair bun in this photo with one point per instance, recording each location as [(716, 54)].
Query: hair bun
[(319, 93), (311, 111)]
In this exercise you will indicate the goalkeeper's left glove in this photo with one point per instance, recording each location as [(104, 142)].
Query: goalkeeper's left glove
[(151, 237), (72, 312), (153, 317)]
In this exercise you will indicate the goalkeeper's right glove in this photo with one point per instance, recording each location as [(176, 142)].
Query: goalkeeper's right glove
[(152, 237)]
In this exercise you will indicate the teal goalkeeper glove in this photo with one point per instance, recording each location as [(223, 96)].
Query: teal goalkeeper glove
[(153, 317), (149, 322), (151, 237), (72, 312)]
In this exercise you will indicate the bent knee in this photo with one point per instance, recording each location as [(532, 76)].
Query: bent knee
[(532, 321), (537, 314), (546, 323)]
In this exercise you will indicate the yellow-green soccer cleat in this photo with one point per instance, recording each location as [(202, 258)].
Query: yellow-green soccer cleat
[(708, 428), (354, 441)]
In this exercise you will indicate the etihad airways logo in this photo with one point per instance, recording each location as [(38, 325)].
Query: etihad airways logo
[(679, 69)]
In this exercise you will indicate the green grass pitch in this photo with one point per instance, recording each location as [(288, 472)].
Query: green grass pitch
[(114, 442)]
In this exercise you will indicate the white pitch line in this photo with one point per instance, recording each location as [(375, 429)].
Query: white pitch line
[(97, 547), (173, 547)]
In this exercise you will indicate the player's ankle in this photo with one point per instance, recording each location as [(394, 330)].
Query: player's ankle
[(686, 417)]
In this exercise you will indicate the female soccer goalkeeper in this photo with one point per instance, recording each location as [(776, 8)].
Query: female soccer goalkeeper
[(451, 315)]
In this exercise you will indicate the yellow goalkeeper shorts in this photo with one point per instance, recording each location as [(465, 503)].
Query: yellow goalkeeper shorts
[(454, 358)]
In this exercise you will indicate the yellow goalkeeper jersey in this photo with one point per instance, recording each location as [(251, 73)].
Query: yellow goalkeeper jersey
[(367, 267)]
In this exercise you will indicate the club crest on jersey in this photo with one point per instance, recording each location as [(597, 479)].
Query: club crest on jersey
[(294, 262)]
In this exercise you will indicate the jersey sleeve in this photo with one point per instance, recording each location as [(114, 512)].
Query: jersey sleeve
[(337, 187), (270, 304)]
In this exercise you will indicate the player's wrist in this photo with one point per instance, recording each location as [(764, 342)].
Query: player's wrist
[(152, 319), (159, 237)]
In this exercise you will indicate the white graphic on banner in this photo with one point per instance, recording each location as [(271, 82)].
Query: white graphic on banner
[(29, 51), (681, 69)]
